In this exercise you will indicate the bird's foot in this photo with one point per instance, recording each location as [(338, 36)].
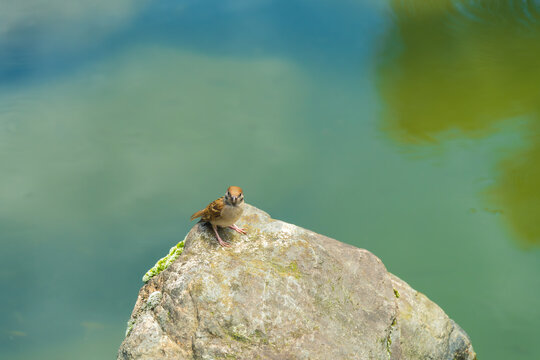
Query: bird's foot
[(236, 228), (221, 242)]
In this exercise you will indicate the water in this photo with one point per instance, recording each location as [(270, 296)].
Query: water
[(409, 128)]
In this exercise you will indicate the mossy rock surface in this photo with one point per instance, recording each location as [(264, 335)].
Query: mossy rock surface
[(284, 292)]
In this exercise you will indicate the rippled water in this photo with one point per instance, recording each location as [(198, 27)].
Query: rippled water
[(410, 128)]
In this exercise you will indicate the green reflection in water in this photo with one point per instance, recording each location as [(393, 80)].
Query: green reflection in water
[(459, 68)]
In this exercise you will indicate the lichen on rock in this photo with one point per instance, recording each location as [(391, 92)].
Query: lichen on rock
[(154, 299), (283, 292)]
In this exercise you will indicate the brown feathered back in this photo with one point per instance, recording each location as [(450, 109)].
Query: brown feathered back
[(212, 211)]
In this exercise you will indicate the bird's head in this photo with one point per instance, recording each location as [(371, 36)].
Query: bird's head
[(234, 195)]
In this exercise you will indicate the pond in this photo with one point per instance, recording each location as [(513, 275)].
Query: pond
[(410, 128)]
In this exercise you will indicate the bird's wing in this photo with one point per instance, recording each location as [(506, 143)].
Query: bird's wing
[(212, 211)]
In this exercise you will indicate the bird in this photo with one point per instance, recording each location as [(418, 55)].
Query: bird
[(224, 212)]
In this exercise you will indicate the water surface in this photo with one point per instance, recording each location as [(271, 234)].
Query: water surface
[(408, 128)]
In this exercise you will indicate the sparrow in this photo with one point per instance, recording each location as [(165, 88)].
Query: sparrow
[(223, 212)]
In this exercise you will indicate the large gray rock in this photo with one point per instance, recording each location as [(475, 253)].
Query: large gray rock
[(284, 292)]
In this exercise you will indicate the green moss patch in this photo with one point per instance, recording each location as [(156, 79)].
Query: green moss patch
[(164, 262)]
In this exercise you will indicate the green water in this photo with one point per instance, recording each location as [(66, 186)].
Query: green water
[(409, 128)]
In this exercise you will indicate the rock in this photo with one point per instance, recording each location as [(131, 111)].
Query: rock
[(284, 292)]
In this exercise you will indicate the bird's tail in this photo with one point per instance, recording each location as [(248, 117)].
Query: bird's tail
[(197, 214)]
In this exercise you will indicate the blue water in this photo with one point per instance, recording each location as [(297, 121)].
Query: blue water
[(408, 128)]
